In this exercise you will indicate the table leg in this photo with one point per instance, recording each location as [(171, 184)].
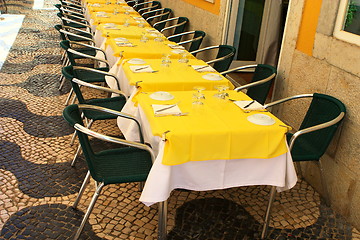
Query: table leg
[(268, 212), (162, 220)]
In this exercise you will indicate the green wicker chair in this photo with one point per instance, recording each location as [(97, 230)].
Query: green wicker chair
[(176, 25), (129, 163), (114, 103), (156, 15), (261, 82), (310, 142), (192, 39), (223, 58)]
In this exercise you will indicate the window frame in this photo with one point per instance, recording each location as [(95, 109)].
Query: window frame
[(339, 24)]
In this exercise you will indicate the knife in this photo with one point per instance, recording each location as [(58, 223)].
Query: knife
[(166, 108), (199, 68), (248, 105)]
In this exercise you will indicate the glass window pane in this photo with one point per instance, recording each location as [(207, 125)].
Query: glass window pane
[(352, 17)]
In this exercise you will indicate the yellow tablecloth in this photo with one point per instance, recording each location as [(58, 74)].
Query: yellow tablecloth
[(129, 32), (149, 49), (134, 19), (176, 77), (105, 1), (213, 131), (110, 8)]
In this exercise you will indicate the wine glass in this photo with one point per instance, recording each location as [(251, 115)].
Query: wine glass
[(221, 91), (183, 58), (166, 60), (198, 96)]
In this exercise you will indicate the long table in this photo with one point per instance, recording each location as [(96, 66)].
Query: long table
[(238, 152)]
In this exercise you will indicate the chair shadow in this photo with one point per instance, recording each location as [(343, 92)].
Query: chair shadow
[(49, 221)]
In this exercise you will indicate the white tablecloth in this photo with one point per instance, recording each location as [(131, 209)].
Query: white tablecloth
[(204, 175)]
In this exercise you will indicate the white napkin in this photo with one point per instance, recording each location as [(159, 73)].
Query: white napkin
[(124, 44), (96, 5), (102, 15), (175, 46), (152, 31), (253, 107), (141, 68), (203, 68), (173, 109)]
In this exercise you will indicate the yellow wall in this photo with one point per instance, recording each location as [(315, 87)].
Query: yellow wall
[(210, 7), (309, 22)]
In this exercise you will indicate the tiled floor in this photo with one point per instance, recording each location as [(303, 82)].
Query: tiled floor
[(38, 186)]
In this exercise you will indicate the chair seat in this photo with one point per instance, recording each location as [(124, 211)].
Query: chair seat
[(303, 150), (91, 77), (121, 165), (114, 103)]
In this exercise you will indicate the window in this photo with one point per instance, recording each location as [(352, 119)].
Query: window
[(347, 26)]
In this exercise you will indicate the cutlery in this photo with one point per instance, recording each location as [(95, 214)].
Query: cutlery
[(175, 114), (248, 105), (141, 68), (199, 68), (166, 108)]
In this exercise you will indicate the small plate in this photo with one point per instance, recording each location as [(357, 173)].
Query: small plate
[(178, 51), (261, 119), (162, 96), (121, 39), (212, 77), (136, 61)]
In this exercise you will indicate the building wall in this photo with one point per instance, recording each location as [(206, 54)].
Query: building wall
[(200, 18), (331, 67)]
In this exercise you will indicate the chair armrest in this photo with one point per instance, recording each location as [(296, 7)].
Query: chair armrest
[(101, 72), (73, 21), (123, 115), (88, 56), (79, 14), (220, 59), (77, 30), (238, 68), (164, 21), (314, 128), (288, 99), (204, 49), (89, 46), (105, 89), (156, 16), (152, 11), (75, 16), (173, 26), (255, 83), (76, 35)]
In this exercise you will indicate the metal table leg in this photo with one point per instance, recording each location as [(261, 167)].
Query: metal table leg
[(268, 212), (162, 225)]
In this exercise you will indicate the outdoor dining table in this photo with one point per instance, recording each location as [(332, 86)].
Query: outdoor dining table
[(211, 146), (200, 147)]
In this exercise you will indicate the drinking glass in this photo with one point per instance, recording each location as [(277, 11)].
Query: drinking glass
[(184, 58), (166, 60), (144, 38), (221, 91), (126, 23), (198, 96)]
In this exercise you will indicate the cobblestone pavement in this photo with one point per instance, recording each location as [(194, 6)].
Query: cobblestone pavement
[(38, 186)]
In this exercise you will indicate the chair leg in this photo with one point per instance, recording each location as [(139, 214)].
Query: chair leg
[(76, 155), (62, 82), (162, 225), (268, 212), (88, 212), (69, 96), (324, 185), (82, 189), (73, 138)]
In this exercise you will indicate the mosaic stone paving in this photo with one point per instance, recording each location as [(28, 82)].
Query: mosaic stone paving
[(38, 186)]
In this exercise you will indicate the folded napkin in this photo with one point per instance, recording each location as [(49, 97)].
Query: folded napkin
[(151, 30), (110, 27), (166, 109), (138, 18), (141, 68), (104, 15), (124, 44), (175, 46), (254, 105), (203, 68), (96, 5)]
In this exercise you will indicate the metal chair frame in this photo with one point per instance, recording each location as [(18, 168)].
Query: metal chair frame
[(214, 60), (171, 26), (291, 144)]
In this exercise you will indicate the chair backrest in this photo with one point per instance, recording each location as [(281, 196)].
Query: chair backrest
[(147, 6), (136, 155), (228, 53), (260, 92), (195, 41), (59, 27), (178, 25), (311, 146), (69, 73), (157, 15)]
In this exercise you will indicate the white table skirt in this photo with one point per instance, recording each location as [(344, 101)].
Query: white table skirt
[(204, 175)]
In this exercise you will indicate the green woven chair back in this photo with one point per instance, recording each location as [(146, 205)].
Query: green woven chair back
[(167, 12), (119, 165), (154, 4), (224, 64), (68, 73), (260, 92), (311, 146), (196, 44), (177, 30)]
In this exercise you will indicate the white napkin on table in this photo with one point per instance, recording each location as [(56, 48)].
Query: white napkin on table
[(203, 68), (141, 68), (124, 44), (172, 109), (253, 106), (175, 46)]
